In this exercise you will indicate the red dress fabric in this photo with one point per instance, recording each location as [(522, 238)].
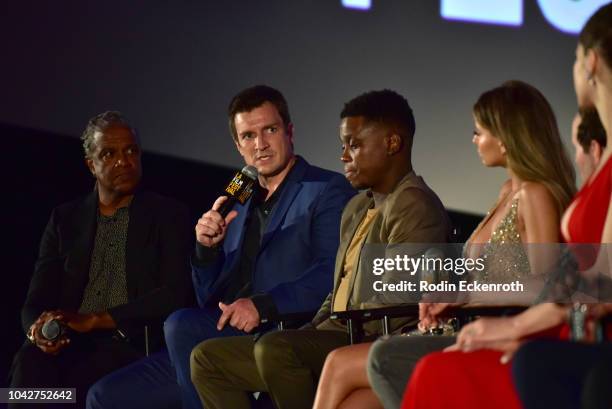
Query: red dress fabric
[(466, 380), (592, 202), (457, 380), (477, 380), (588, 216)]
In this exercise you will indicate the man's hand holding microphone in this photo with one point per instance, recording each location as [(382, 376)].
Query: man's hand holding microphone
[(210, 231)]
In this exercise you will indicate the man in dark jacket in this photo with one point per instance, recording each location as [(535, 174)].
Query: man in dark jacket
[(111, 267)]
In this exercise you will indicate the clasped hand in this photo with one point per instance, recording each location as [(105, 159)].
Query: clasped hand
[(241, 315), (75, 321)]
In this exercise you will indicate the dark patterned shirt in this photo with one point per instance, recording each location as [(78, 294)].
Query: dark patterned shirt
[(107, 284)]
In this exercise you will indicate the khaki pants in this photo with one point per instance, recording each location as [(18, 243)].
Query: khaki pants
[(286, 364)]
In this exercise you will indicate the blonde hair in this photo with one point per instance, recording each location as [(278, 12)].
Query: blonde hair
[(521, 117)]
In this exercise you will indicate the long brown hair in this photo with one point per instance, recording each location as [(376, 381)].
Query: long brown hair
[(519, 115)]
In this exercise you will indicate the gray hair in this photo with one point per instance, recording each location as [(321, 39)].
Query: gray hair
[(100, 123)]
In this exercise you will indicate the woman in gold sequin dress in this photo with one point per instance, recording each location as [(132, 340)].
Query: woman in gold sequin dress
[(515, 128)]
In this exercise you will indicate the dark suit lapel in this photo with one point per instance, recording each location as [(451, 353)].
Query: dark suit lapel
[(233, 240), (84, 231), (238, 225), (141, 220), (290, 191)]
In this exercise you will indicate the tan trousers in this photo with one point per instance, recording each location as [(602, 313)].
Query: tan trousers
[(286, 364)]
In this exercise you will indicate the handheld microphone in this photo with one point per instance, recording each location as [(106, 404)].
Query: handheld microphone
[(52, 330), (240, 189)]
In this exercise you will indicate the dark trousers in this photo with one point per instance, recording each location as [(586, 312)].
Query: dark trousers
[(163, 380), (286, 364), (79, 365), (563, 375)]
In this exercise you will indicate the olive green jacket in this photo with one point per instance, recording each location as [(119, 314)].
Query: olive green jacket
[(411, 213)]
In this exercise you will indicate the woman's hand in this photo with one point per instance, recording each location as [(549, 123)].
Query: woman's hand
[(491, 333)]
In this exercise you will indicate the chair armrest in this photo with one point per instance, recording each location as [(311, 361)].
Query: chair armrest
[(377, 313), (356, 318), (289, 320)]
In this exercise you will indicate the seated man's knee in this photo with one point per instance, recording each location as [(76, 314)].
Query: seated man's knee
[(28, 362), (200, 360), (29, 356), (271, 350), (101, 394), (180, 322)]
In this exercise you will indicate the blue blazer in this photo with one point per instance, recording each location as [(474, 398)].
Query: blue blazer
[(295, 264)]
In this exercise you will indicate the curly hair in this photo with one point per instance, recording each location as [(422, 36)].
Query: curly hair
[(385, 107), (101, 122)]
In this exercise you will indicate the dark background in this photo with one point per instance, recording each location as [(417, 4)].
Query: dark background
[(172, 67)]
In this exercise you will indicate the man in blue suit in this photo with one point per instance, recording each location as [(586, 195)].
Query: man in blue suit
[(275, 254)]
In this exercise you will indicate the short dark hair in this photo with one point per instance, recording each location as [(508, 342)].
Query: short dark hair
[(101, 122), (590, 129), (385, 107), (254, 97), (597, 33)]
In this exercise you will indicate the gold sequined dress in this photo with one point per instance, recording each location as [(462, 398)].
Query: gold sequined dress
[(504, 253)]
